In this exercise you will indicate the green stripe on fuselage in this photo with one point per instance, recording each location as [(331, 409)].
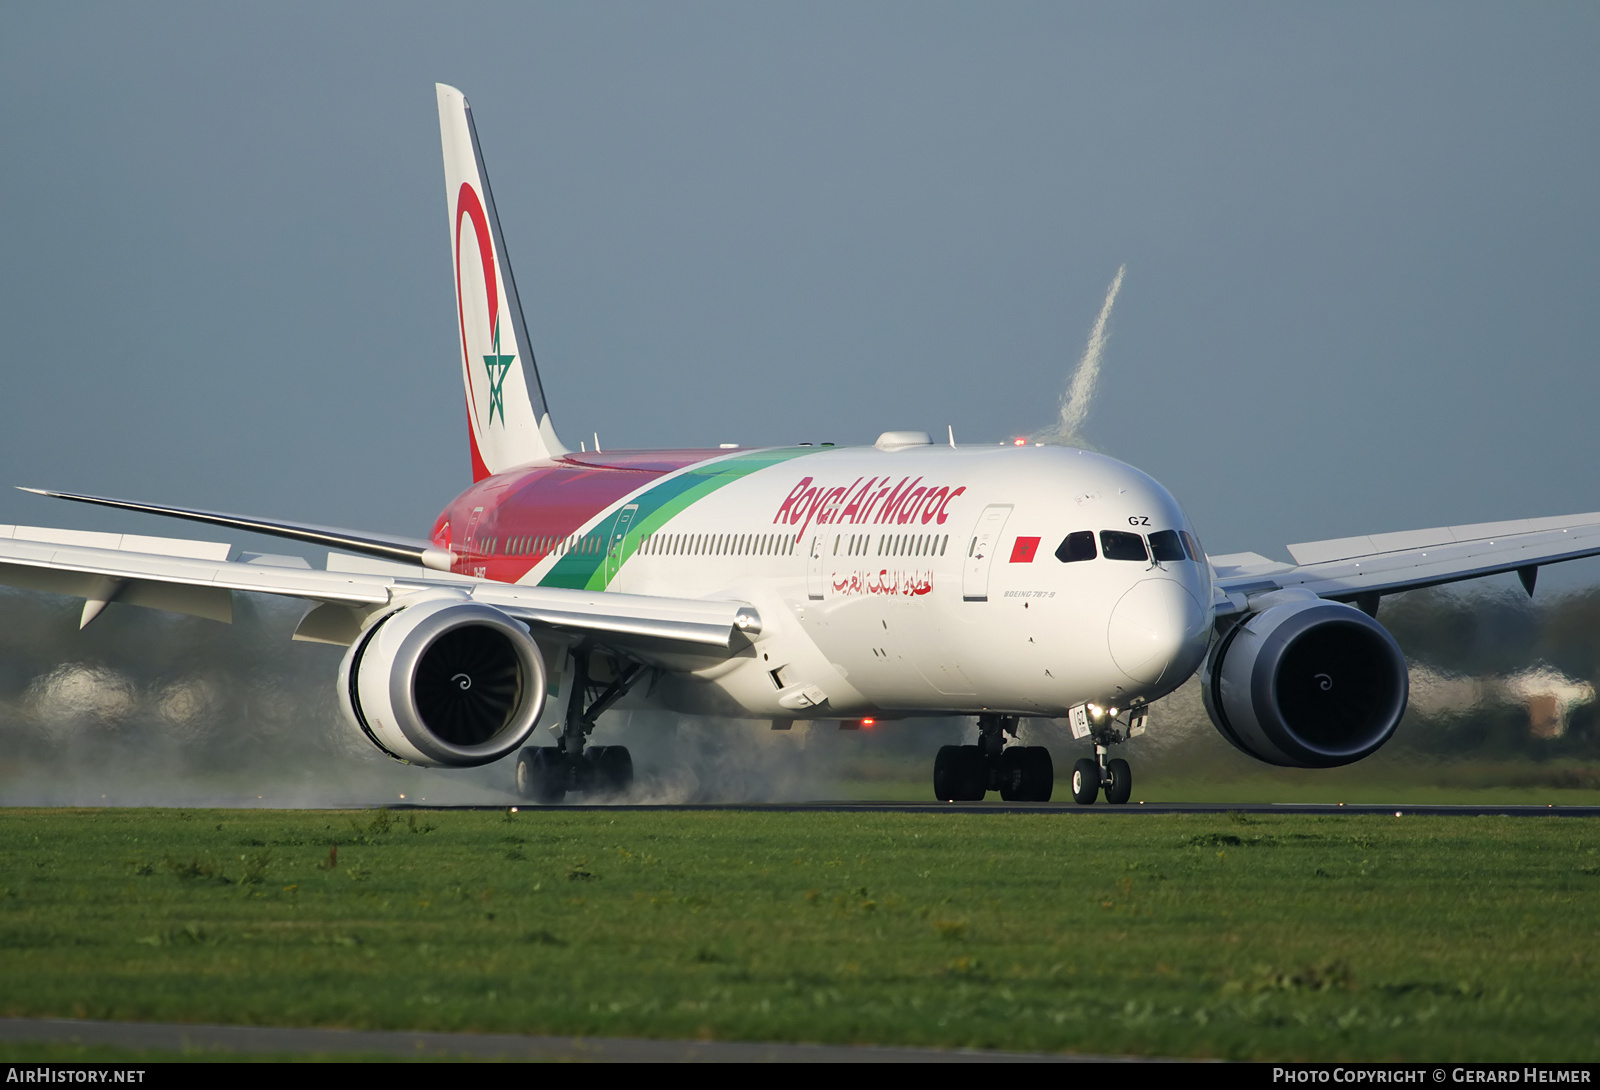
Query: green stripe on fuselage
[(658, 505)]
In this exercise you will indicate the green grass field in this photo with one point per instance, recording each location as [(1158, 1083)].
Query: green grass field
[(1278, 937)]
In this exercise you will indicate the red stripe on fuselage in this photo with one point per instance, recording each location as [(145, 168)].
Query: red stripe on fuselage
[(547, 501)]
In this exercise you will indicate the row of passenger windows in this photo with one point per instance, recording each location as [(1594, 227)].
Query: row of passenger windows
[(540, 544), (1163, 546), (656, 545), (785, 545), (890, 544), (728, 545), (717, 545)]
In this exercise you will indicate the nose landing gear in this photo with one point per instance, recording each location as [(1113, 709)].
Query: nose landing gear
[(1090, 775), (1020, 773)]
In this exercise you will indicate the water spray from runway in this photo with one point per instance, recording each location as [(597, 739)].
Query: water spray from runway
[(1075, 401), (147, 708), (144, 708), (680, 759)]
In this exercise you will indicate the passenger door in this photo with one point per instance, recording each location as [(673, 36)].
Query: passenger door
[(980, 552), (619, 534), (814, 569)]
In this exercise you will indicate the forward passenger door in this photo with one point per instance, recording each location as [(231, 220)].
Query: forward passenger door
[(980, 552)]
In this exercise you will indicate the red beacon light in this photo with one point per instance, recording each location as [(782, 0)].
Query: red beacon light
[(1019, 442), (857, 724)]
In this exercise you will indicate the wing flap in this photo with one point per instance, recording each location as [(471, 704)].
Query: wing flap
[(624, 617), (212, 603), (197, 600)]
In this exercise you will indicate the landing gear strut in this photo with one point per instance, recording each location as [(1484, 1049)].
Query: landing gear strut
[(1020, 773), (546, 773)]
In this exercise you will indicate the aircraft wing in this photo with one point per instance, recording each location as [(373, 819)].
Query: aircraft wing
[(1359, 569), (403, 550), (197, 578)]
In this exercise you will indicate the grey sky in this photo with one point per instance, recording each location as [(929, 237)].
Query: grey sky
[(1362, 244)]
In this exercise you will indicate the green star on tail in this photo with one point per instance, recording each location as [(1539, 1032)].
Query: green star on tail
[(499, 366)]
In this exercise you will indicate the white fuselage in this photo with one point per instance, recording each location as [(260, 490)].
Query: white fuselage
[(925, 580)]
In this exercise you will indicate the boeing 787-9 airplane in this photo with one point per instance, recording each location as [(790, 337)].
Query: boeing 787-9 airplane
[(899, 580)]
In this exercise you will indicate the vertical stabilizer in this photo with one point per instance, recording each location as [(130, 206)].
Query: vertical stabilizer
[(508, 420)]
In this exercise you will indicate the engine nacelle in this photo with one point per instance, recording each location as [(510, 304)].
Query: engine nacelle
[(1306, 684), (449, 684)]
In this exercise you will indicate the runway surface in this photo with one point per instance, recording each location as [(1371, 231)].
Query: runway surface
[(1061, 809), (268, 1040)]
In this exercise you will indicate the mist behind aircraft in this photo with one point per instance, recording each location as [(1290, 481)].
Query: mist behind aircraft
[(144, 708)]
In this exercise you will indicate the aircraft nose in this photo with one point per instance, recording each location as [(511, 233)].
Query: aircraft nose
[(1153, 627)]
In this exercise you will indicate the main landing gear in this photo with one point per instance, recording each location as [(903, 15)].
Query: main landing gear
[(1020, 773), (546, 773)]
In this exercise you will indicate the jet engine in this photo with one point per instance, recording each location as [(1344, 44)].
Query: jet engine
[(1306, 684), (449, 684)]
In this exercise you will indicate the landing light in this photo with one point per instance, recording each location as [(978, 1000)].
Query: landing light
[(1019, 442)]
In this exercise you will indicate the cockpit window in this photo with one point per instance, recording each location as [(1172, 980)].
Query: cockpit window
[(1165, 546), (1121, 545), (1196, 553), (1078, 546)]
